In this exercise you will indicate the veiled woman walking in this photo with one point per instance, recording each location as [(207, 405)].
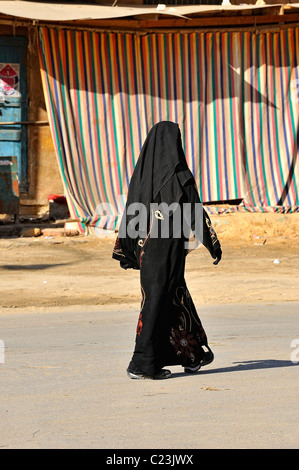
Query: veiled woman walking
[(163, 189)]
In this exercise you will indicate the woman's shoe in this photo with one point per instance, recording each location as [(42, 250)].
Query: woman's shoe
[(207, 359), (162, 374), (138, 374)]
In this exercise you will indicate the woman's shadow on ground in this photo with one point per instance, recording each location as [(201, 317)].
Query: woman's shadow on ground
[(240, 366)]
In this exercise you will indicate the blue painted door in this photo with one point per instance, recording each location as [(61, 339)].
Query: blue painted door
[(13, 103)]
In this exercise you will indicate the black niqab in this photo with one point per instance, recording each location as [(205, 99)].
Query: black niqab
[(161, 170)]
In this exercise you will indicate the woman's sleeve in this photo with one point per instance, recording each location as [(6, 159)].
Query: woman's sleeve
[(124, 260), (202, 228)]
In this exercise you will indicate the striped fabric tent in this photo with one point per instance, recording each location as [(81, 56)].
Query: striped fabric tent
[(234, 96)]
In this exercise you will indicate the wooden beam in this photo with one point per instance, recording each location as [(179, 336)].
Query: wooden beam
[(199, 22)]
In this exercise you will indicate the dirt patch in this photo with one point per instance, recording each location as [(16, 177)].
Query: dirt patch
[(260, 264)]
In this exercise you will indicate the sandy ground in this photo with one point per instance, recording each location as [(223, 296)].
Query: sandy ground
[(260, 264), (64, 384), (68, 317)]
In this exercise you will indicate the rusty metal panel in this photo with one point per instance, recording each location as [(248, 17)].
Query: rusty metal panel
[(9, 186)]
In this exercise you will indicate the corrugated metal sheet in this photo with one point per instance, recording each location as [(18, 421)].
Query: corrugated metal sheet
[(71, 12)]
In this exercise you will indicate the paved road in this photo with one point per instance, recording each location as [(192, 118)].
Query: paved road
[(64, 385)]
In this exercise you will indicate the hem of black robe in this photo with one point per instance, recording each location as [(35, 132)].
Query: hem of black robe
[(149, 366)]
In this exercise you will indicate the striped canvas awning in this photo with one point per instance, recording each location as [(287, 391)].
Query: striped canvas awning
[(234, 96)]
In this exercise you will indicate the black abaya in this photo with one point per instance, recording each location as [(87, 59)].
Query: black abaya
[(169, 331)]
